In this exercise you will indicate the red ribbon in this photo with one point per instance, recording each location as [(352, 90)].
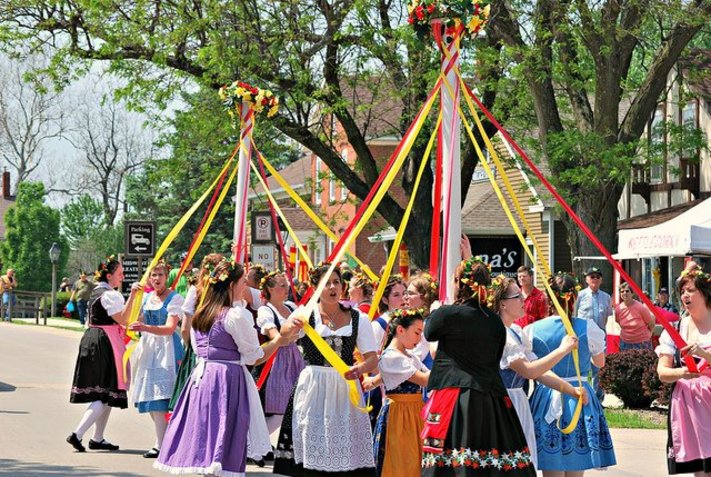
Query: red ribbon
[(676, 337)]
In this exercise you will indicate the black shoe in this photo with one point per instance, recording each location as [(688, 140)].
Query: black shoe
[(75, 442), (152, 454), (269, 456), (258, 463), (103, 445)]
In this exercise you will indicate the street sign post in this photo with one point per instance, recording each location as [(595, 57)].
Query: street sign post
[(263, 255), (262, 228), (140, 238)]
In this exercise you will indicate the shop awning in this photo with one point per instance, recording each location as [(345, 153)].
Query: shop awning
[(688, 233)]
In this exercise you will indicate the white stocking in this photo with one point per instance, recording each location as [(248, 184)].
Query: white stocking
[(93, 412), (100, 426), (161, 425)]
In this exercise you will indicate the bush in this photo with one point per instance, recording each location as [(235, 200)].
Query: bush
[(62, 300), (654, 388), (624, 375)]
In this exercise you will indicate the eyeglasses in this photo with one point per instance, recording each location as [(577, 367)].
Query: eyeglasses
[(625, 291), (512, 297), (412, 293), (595, 277)]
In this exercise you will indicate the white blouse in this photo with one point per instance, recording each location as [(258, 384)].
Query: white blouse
[(266, 314), (378, 330), (112, 301), (175, 306), (365, 342), (190, 302), (396, 368), (515, 349), (239, 324), (667, 345)]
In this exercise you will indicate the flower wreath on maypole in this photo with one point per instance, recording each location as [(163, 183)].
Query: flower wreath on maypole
[(473, 14), (239, 92)]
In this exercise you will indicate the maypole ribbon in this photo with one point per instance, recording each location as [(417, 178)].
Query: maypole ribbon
[(308, 210), (673, 333), (346, 241), (403, 224), (564, 318)]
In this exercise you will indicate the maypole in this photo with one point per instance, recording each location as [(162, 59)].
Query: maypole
[(448, 22), (243, 101)]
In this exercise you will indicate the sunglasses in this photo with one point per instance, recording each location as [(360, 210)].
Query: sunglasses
[(512, 297)]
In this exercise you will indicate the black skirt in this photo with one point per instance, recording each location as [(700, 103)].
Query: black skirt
[(485, 438), (95, 376)]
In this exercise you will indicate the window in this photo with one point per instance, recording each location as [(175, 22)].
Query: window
[(656, 140), (331, 188), (317, 182), (344, 191)]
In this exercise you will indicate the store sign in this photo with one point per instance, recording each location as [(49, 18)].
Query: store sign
[(504, 254)]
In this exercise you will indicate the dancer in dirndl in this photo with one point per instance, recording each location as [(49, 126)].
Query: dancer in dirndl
[(689, 434), (589, 445), (158, 353), (323, 433), (471, 427), (397, 447), (218, 421)]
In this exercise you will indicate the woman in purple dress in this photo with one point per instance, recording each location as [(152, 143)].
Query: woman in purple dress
[(218, 412)]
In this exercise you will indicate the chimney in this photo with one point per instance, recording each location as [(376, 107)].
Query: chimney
[(5, 183)]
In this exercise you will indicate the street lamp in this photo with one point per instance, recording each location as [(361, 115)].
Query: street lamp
[(54, 252)]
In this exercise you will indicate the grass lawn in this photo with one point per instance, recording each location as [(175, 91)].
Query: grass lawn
[(636, 419)]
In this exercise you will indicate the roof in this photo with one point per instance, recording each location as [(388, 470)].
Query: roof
[(297, 218), (694, 68), (482, 213), (295, 174), (656, 217), (375, 105)]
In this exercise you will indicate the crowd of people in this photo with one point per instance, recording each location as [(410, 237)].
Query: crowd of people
[(443, 390)]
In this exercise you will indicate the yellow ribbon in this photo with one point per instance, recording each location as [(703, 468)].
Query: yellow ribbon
[(492, 151), (309, 212), (403, 224), (309, 308)]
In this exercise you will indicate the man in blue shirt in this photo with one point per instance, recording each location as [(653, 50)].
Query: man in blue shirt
[(596, 305)]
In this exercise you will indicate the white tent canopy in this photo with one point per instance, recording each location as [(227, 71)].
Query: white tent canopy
[(688, 233)]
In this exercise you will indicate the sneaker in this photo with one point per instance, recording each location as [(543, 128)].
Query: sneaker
[(152, 454), (75, 442), (103, 445)]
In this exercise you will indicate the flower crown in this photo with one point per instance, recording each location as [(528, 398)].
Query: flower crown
[(407, 313), (479, 291), (696, 272), (365, 279), (570, 294), (431, 280), (233, 95), (266, 278), (473, 14), (316, 270), (223, 275), (104, 266), (162, 263)]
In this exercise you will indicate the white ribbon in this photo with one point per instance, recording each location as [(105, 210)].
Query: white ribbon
[(555, 408)]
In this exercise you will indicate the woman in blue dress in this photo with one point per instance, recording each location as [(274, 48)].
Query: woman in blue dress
[(589, 446), (158, 353)]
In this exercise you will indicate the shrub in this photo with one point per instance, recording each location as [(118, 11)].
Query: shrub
[(654, 388), (624, 375)]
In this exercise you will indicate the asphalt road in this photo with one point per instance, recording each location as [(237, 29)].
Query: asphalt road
[(37, 364)]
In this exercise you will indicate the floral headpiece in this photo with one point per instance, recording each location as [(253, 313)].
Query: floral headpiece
[(480, 292), (233, 95), (407, 313), (267, 277), (570, 295), (694, 273), (317, 270), (162, 264), (364, 279), (430, 279), (104, 266), (473, 14), (223, 275)]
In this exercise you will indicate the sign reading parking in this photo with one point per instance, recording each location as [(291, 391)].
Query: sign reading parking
[(262, 228), (140, 238)]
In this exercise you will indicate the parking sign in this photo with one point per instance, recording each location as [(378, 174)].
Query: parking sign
[(140, 238)]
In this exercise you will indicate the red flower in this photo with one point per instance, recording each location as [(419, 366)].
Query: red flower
[(410, 19), (475, 465), (420, 12), (431, 8), (507, 467), (265, 101), (440, 463), (494, 452), (521, 465), (455, 463)]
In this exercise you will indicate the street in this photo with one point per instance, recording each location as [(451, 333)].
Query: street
[(36, 417)]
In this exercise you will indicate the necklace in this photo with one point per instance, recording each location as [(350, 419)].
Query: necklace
[(331, 325)]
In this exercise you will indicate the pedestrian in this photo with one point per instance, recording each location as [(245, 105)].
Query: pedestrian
[(518, 363), (99, 377), (664, 302), (596, 305), (536, 302), (360, 291), (323, 433), (689, 435), (81, 292), (635, 320), (421, 293), (183, 284), (158, 353), (288, 362), (471, 428), (397, 448), (9, 285), (65, 285), (218, 412), (589, 445)]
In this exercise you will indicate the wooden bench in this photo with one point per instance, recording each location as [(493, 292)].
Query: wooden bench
[(28, 304)]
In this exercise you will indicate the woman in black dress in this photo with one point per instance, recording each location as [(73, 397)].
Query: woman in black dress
[(471, 427), (98, 376)]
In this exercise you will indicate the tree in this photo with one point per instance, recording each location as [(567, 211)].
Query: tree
[(30, 115), (81, 219), (31, 228), (575, 64)]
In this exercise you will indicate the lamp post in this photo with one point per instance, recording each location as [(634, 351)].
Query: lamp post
[(54, 252)]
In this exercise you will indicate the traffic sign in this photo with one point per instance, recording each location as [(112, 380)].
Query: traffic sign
[(140, 238), (262, 228), (263, 255)]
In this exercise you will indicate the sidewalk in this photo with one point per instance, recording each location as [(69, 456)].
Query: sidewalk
[(54, 322)]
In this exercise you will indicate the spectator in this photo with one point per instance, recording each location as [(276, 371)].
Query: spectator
[(9, 285), (81, 292), (596, 305), (535, 306), (183, 284), (635, 320), (65, 286), (664, 302)]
